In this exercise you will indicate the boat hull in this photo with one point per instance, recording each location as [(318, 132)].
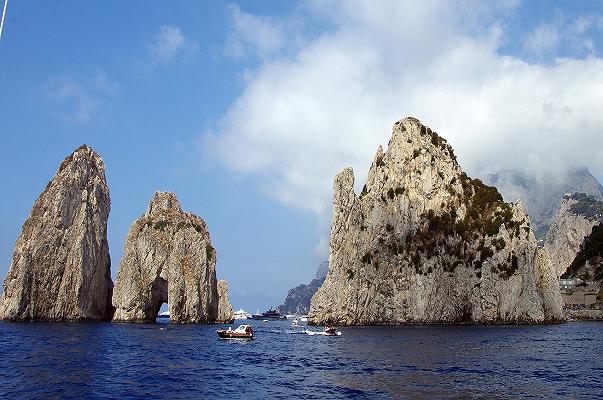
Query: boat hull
[(234, 335), (263, 317)]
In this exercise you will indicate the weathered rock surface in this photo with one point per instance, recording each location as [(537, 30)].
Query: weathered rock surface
[(298, 298), (424, 243), (542, 195), (225, 313), (588, 264), (547, 284), (168, 257), (574, 221), (61, 266)]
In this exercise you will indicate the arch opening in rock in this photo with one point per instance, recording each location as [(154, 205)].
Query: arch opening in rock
[(168, 255), (159, 296)]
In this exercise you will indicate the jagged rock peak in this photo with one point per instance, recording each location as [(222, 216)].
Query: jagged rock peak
[(168, 258), (163, 202), (84, 153), (61, 266), (421, 227)]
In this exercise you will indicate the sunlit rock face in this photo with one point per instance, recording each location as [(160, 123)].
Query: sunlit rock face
[(61, 267), (168, 257), (424, 243)]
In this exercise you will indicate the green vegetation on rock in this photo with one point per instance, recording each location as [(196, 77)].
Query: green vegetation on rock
[(591, 252)]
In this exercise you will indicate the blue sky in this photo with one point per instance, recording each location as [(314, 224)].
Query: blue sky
[(247, 110)]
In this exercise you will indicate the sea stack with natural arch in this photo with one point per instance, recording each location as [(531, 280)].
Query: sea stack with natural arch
[(424, 243), (61, 270), (169, 258)]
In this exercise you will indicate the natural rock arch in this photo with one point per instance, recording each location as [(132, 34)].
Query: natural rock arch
[(168, 257)]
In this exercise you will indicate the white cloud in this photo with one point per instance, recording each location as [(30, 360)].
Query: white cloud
[(260, 36), (542, 40), (303, 117), (79, 100), (170, 44)]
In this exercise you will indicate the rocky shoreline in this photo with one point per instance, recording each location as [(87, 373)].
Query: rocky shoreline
[(583, 315)]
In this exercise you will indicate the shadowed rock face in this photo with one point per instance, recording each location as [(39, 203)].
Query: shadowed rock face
[(61, 266), (225, 313), (424, 243), (168, 257), (574, 221), (298, 299)]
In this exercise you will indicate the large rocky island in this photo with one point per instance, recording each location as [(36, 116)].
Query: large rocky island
[(169, 258), (61, 268), (424, 243)]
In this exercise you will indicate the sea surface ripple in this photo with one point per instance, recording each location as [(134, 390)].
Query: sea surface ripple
[(136, 361)]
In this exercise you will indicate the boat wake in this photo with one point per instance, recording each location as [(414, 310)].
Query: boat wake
[(309, 332)]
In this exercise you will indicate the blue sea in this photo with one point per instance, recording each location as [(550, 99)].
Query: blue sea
[(131, 361)]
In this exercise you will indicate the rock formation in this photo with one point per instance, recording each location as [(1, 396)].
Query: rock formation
[(588, 264), (542, 195), (424, 243), (574, 221), (168, 257), (61, 267), (298, 298), (225, 313)]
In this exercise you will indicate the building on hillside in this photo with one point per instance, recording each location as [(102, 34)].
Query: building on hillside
[(577, 294)]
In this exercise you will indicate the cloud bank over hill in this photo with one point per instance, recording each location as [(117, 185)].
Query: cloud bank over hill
[(303, 115)]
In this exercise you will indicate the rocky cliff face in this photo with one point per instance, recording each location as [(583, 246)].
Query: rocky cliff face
[(225, 313), (298, 298), (574, 221), (61, 267), (588, 264), (168, 257), (424, 243), (542, 196)]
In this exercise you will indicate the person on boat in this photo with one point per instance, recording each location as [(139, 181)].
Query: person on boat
[(330, 330)]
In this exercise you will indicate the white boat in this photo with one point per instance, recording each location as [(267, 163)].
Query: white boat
[(304, 318), (294, 323), (242, 314), (163, 314), (242, 332)]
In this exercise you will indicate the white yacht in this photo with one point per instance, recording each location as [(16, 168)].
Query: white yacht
[(163, 314), (242, 314)]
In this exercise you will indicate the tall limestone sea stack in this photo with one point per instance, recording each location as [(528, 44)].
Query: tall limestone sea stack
[(61, 267), (424, 243), (168, 257)]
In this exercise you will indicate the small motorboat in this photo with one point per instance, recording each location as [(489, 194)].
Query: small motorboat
[(294, 324), (242, 332), (330, 331)]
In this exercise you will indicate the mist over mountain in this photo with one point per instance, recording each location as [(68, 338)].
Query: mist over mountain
[(541, 195)]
